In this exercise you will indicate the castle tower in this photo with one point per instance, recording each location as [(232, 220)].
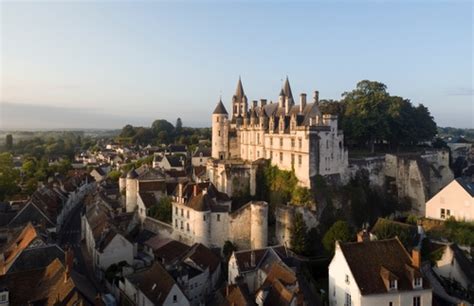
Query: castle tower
[(259, 225), (239, 102), (286, 96), (220, 132), (131, 190)]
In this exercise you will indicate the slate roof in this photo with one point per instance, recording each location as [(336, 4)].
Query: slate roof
[(467, 185), (366, 260), (148, 198), (220, 109), (244, 262), (203, 257), (37, 258), (168, 251), (155, 283), (206, 152)]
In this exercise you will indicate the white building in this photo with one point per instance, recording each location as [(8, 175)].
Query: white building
[(377, 273), (455, 200), (201, 214), (292, 136), (200, 156), (153, 286)]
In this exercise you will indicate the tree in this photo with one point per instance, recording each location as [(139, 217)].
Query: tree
[(9, 141), (162, 210), (179, 126), (9, 176), (299, 239), (228, 249), (366, 110), (162, 125), (127, 131), (114, 175), (339, 231)]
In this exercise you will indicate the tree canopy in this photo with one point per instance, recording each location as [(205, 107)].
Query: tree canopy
[(338, 231)]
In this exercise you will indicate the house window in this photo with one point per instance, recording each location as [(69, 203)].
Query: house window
[(182, 212), (176, 210), (347, 300), (448, 213), (416, 301), (3, 297), (187, 214), (392, 284), (347, 279), (218, 217), (281, 157), (175, 299), (176, 223), (187, 227), (417, 282), (443, 213), (292, 159), (182, 227)]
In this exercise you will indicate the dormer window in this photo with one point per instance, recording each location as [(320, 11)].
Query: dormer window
[(417, 282), (393, 284), (347, 279)]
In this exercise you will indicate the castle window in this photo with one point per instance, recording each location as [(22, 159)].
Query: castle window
[(292, 159), (281, 142), (204, 218), (281, 157), (292, 143), (217, 119), (258, 138), (176, 223), (271, 154), (271, 141), (182, 227), (176, 210), (300, 143), (187, 227), (187, 214), (327, 144), (182, 212), (258, 154), (219, 132), (299, 160), (218, 217)]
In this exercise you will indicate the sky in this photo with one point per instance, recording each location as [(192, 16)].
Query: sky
[(104, 64)]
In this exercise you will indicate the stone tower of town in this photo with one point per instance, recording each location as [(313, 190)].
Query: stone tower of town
[(220, 132)]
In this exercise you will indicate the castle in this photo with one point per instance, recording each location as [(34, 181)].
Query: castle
[(292, 137)]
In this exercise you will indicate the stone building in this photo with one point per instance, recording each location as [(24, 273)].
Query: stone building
[(201, 214), (292, 136)]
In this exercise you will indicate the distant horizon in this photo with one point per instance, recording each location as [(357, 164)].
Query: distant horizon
[(106, 64)]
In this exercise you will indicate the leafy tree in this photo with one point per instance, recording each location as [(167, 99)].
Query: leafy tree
[(114, 175), (302, 196), (366, 106), (9, 176), (299, 238), (9, 141), (162, 125), (163, 210), (127, 131), (228, 249), (338, 231)]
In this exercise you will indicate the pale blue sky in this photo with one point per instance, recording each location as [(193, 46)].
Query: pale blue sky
[(107, 63)]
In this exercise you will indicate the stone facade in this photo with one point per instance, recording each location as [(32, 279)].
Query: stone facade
[(293, 137), (285, 220)]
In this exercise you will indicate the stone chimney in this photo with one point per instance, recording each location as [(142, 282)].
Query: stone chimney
[(302, 102), (252, 259), (263, 102), (363, 236), (416, 257), (287, 105), (316, 97), (180, 190)]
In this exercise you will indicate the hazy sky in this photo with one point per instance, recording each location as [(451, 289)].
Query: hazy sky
[(107, 63)]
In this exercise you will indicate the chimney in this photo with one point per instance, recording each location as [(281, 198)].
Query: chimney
[(316, 97), (302, 102), (263, 102), (180, 190), (252, 259), (69, 262), (195, 188), (416, 257), (287, 105), (363, 236)]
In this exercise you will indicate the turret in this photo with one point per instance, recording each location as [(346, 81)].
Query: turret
[(131, 191), (259, 225), (239, 101), (220, 132)]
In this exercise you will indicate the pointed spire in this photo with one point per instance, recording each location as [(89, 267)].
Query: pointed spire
[(220, 108), (239, 92), (287, 89)]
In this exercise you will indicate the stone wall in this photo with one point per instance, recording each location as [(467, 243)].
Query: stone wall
[(285, 220), (162, 229)]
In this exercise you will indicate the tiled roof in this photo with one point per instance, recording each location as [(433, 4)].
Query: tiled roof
[(167, 250), (366, 259), (155, 283), (203, 257), (238, 295), (36, 258), (46, 286), (20, 240)]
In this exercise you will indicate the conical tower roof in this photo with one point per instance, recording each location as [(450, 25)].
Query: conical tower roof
[(220, 108), (239, 91), (287, 89)]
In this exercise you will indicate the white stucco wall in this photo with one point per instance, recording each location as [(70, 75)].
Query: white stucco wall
[(455, 198)]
